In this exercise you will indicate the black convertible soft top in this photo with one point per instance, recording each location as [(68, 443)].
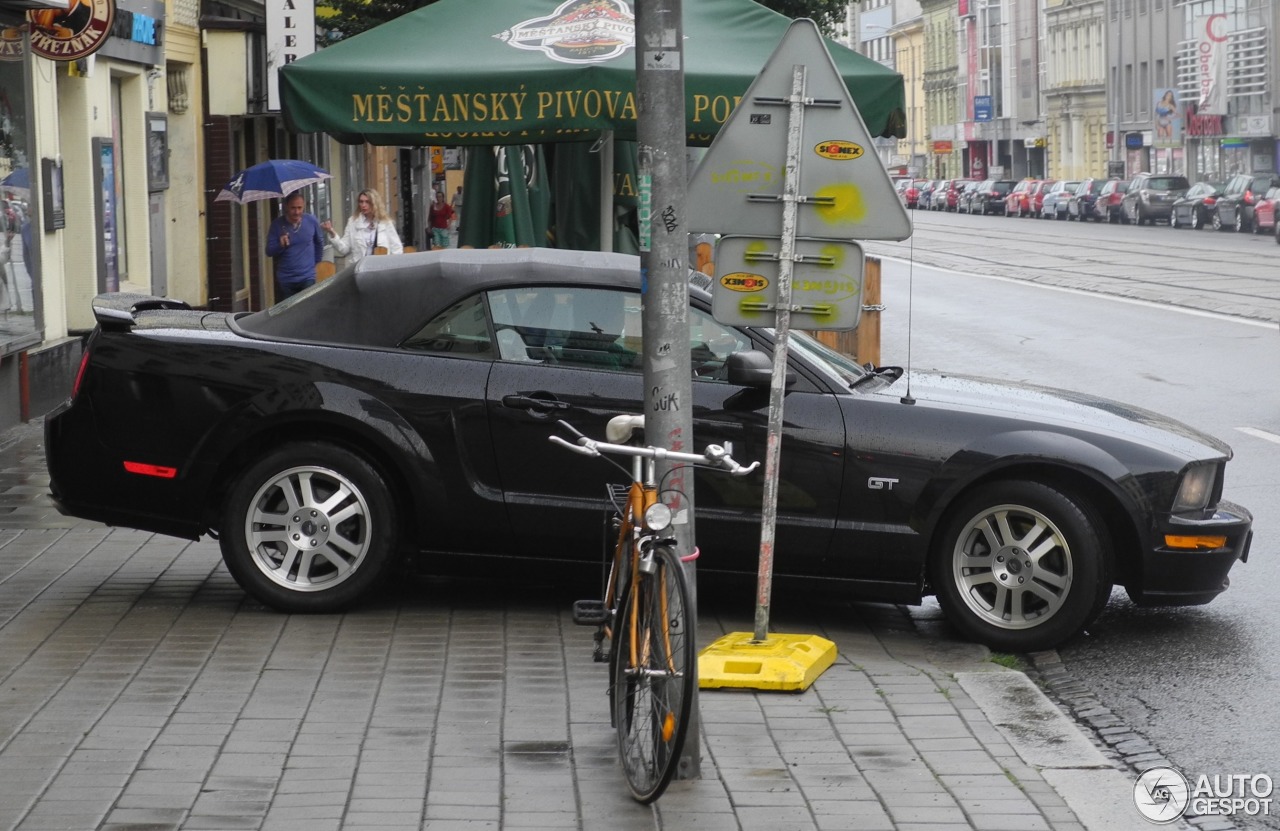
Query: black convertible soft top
[(383, 300)]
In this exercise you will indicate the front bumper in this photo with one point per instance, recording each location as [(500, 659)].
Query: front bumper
[(1182, 577)]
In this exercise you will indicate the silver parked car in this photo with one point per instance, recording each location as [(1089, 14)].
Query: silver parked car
[(1055, 201)]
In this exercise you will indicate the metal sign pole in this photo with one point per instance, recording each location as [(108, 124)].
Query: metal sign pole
[(782, 329), (664, 254)]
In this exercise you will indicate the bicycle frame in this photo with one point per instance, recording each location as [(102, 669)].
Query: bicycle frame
[(652, 662)]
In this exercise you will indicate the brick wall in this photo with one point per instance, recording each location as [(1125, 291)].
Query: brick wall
[(219, 146)]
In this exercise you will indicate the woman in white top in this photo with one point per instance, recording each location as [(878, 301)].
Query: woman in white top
[(367, 229)]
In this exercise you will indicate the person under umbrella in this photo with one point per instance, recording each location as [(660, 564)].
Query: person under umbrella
[(367, 229), (296, 243)]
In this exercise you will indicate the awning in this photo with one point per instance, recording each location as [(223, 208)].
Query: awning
[(507, 72)]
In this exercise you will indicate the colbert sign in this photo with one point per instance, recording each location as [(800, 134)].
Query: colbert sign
[(73, 34)]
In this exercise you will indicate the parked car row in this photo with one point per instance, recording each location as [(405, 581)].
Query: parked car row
[(1245, 202)]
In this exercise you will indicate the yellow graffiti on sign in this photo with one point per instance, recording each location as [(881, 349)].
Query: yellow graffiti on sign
[(847, 205), (745, 172)]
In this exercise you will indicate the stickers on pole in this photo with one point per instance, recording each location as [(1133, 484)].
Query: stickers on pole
[(826, 282), (844, 191)]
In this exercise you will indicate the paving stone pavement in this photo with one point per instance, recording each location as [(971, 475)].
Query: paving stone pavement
[(140, 690)]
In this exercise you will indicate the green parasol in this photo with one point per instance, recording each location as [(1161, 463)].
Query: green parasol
[(462, 72)]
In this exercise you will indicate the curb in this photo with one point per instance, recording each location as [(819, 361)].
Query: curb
[(1126, 745)]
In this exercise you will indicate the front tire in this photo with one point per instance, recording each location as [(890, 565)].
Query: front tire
[(1021, 566), (310, 528), (653, 694)]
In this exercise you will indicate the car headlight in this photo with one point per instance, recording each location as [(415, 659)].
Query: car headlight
[(1196, 489), (657, 516)]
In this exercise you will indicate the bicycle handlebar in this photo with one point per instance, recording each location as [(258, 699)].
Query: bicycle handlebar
[(713, 456)]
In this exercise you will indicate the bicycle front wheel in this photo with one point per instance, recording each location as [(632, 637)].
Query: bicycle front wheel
[(654, 670)]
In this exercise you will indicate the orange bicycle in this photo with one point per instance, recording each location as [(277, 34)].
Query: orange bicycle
[(643, 612)]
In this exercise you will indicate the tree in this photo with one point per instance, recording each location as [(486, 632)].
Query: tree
[(351, 17), (826, 13)]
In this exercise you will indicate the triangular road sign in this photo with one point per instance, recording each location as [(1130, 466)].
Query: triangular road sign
[(844, 189)]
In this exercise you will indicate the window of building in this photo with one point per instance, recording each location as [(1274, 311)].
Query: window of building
[(20, 223), (116, 214)]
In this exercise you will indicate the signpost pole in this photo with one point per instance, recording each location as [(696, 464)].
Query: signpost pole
[(664, 281), (831, 191), (782, 328)]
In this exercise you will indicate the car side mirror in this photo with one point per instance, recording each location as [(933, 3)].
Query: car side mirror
[(753, 368)]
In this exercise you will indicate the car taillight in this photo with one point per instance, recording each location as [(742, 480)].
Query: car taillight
[(84, 363), (1248, 197), (1209, 201)]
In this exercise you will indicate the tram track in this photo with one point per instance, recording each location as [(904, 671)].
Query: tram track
[(1222, 272)]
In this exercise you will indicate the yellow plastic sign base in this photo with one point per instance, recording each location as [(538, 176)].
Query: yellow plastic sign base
[(780, 662)]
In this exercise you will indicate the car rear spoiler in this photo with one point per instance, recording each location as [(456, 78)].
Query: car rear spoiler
[(118, 311)]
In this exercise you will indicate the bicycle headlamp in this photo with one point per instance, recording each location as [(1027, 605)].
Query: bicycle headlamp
[(657, 516)]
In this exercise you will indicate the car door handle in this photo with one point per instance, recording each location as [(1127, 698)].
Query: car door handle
[(525, 402)]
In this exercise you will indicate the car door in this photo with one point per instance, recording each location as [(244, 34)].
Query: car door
[(582, 365)]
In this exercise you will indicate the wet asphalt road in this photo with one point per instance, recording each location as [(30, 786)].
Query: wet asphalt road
[(1200, 682)]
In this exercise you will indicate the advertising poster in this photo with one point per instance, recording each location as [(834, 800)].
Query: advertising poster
[(1167, 109)]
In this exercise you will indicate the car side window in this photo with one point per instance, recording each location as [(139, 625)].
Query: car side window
[(568, 325), (711, 344), (596, 329), (459, 330)]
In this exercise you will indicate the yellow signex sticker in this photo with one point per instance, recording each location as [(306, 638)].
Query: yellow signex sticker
[(838, 149), (744, 281)]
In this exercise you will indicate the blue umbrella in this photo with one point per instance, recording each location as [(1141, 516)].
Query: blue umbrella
[(19, 179), (272, 179)]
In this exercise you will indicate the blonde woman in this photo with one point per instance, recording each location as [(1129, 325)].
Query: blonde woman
[(368, 228)]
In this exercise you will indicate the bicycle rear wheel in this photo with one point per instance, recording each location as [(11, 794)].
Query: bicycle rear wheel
[(654, 671)]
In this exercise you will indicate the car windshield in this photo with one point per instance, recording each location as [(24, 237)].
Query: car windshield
[(824, 357), (1167, 183)]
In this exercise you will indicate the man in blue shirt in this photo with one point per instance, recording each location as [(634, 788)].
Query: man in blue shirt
[(297, 244)]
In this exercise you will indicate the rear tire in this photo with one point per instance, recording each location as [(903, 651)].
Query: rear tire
[(310, 528), (1021, 566), (652, 696)]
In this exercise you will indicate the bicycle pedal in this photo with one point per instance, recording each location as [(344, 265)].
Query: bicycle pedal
[(589, 612)]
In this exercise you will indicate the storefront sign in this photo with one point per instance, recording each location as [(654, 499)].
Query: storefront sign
[(74, 34), (137, 35), (1201, 125), (982, 108), (1211, 64), (291, 34), (942, 148), (1253, 125)]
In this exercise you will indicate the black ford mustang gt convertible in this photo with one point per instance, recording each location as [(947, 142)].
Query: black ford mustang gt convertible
[(405, 405)]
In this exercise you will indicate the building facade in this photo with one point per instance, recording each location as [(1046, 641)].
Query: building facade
[(111, 162), (1076, 88)]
